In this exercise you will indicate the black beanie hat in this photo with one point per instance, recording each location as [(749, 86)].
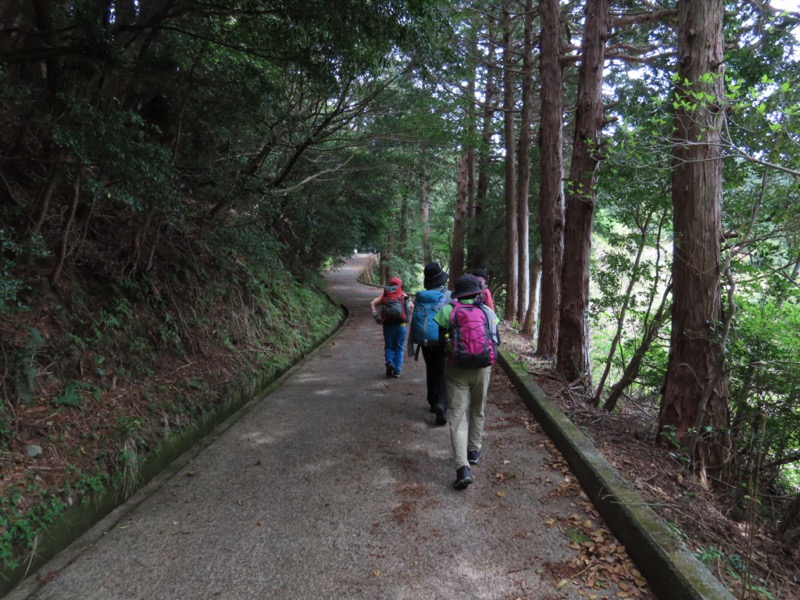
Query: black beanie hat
[(434, 276)]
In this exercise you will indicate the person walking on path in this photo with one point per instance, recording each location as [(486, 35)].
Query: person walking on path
[(482, 276), (425, 335), (470, 331), (396, 308)]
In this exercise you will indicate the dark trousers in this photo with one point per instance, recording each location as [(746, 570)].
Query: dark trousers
[(434, 376)]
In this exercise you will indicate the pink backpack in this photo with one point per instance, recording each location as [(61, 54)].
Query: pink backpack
[(471, 337)]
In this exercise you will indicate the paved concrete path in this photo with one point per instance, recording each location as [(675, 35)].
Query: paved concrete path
[(337, 485)]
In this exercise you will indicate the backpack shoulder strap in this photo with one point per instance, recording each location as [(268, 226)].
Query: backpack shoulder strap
[(456, 305)]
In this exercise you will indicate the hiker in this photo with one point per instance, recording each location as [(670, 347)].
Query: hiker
[(424, 334), (486, 296), (470, 332), (394, 314)]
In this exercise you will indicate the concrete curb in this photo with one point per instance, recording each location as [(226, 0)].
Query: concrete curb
[(671, 570)]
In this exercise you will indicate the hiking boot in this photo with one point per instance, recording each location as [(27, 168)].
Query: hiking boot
[(440, 420), (474, 456), (389, 370), (463, 478)]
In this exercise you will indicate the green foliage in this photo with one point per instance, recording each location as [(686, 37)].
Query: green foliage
[(24, 367), (630, 265), (117, 318), (709, 556), (735, 567), (764, 379), (73, 393), (121, 146), (6, 425), (10, 285), (82, 485), (20, 528)]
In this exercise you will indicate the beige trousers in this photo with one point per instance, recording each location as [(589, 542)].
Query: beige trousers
[(466, 407)]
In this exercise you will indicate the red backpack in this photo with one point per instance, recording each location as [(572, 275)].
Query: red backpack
[(395, 308)]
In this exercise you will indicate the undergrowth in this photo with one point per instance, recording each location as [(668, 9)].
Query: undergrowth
[(97, 377)]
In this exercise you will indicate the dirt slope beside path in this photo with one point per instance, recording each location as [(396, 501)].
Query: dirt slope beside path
[(337, 485)]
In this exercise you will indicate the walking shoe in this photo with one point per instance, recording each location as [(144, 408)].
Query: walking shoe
[(389, 370), (463, 478), (474, 456), (440, 420), (395, 374)]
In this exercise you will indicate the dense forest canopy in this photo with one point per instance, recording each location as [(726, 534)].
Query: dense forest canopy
[(626, 171)]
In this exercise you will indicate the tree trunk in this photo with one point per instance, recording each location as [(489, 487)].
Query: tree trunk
[(61, 257), (460, 220), (524, 166), (693, 375), (424, 214), (573, 335), (551, 196), (45, 29), (471, 128), (386, 258), (44, 199), (512, 262), (476, 253), (402, 228), (530, 316)]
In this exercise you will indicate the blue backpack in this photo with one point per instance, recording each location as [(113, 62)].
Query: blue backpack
[(424, 330)]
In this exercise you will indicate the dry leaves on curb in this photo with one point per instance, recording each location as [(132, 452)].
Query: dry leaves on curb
[(601, 566)]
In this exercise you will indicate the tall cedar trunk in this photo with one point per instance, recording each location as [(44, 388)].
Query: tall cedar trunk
[(402, 230), (551, 195), (512, 265), (524, 165), (477, 244), (459, 220), (530, 316), (45, 29), (472, 127), (424, 213), (573, 335), (695, 347), (386, 258)]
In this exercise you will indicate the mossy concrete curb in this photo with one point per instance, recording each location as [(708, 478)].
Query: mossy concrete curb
[(671, 570)]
